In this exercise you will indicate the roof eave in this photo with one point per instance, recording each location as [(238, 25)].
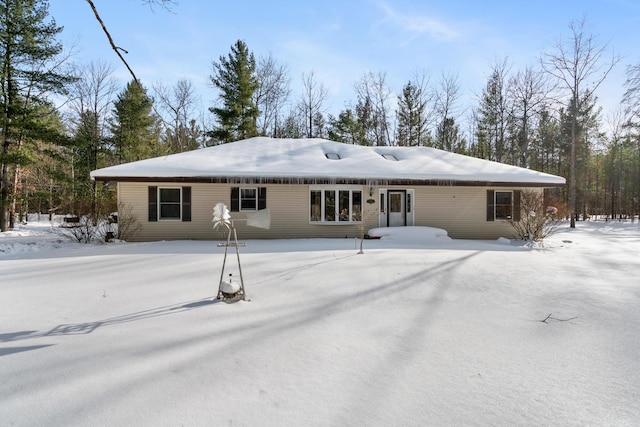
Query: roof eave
[(331, 180)]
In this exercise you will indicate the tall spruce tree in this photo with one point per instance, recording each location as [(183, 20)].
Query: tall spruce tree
[(346, 128), (29, 72), (494, 114), (412, 116), (132, 124), (449, 136), (234, 76)]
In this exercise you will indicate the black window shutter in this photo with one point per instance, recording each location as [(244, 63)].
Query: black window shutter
[(186, 203), (153, 204), (516, 205), (262, 198), (235, 199), (490, 205)]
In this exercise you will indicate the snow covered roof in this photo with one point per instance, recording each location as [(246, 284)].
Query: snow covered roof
[(264, 159)]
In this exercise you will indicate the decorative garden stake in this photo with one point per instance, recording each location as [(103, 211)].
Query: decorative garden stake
[(233, 291)]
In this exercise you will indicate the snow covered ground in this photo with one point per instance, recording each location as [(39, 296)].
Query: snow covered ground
[(418, 330)]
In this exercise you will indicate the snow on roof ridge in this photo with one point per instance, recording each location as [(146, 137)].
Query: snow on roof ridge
[(306, 157)]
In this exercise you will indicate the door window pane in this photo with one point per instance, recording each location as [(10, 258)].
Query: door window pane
[(395, 202)]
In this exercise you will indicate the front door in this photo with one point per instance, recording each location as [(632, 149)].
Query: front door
[(397, 208)]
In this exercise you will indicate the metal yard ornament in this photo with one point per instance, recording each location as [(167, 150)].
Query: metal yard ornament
[(229, 291), (221, 217)]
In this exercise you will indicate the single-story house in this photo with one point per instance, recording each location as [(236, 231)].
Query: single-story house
[(321, 188)]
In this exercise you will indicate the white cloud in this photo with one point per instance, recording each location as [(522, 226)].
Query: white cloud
[(418, 25)]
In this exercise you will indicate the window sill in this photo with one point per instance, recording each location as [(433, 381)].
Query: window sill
[(335, 222)]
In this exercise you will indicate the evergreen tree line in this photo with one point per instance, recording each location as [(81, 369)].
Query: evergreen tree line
[(544, 117)]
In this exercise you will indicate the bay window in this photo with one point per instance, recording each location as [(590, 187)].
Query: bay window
[(335, 204)]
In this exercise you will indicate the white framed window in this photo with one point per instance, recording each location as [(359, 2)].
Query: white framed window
[(504, 205), (248, 199), (335, 204), (169, 203)]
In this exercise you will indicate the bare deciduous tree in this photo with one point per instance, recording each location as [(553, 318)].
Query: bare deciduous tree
[(631, 98), (529, 91), (447, 94), (311, 104), (91, 99), (95, 89), (176, 105), (271, 95), (575, 62), (375, 98)]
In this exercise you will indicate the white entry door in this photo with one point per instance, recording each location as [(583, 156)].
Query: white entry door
[(397, 208)]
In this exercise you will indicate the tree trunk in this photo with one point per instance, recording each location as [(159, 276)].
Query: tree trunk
[(4, 197), (572, 162)]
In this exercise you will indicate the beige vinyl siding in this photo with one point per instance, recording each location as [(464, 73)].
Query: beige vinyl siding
[(135, 195), (288, 205), (461, 211)]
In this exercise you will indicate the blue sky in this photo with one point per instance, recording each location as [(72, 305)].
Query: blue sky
[(340, 40)]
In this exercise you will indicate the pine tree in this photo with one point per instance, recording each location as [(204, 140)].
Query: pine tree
[(493, 115), (544, 150), (234, 76), (583, 123), (448, 135), (29, 71), (133, 124), (411, 116), (346, 128)]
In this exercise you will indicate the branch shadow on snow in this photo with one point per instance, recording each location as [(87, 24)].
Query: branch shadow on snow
[(247, 332), (210, 247), (89, 327), (303, 317), (282, 323), (11, 350)]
